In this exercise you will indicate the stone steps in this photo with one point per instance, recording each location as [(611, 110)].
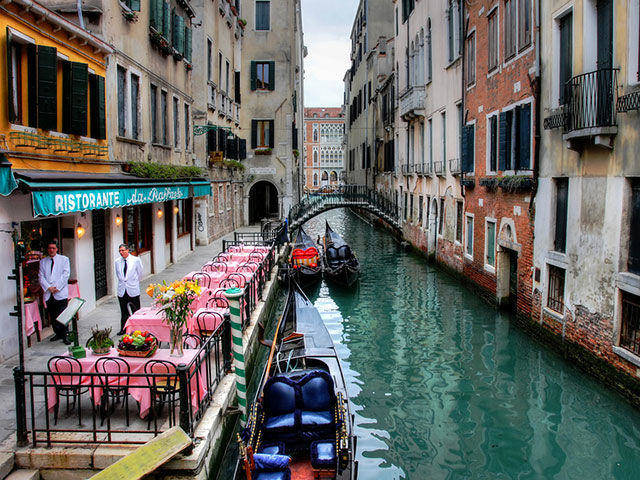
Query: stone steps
[(6, 464), (24, 475)]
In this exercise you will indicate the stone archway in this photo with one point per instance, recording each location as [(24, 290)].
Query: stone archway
[(263, 201)]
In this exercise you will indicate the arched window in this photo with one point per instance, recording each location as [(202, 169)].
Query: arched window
[(315, 179), (421, 58), (429, 55), (315, 157), (325, 176), (334, 177)]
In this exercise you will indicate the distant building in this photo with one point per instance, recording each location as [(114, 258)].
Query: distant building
[(323, 152)]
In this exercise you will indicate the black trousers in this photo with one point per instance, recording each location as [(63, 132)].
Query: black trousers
[(55, 308), (124, 312)]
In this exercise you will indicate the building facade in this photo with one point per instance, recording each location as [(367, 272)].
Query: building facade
[(373, 20), (271, 86), (323, 151), (498, 144), (587, 227)]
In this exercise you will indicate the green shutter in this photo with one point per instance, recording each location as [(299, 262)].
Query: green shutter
[(272, 133), (153, 14), (525, 138), (254, 77), (78, 106), (98, 111), (187, 45), (254, 133), (32, 85), (11, 113), (166, 21), (272, 75), (502, 159), (134, 5), (180, 27), (47, 87), (174, 29)]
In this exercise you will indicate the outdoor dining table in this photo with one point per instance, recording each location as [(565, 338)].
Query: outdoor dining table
[(208, 318), (138, 386), (32, 318), (150, 319), (249, 248), (206, 279)]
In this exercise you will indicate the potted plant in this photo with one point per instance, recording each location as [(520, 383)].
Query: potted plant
[(100, 341), (242, 22), (175, 302), (263, 151), (296, 152)]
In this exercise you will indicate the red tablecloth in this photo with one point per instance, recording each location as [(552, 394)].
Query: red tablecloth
[(136, 365), (31, 318)]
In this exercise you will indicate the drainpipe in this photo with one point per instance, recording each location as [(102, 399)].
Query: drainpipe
[(464, 27), (80, 18), (536, 93)]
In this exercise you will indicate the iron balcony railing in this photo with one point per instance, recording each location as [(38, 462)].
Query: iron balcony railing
[(418, 168), (438, 167), (592, 100), (427, 168), (454, 166)]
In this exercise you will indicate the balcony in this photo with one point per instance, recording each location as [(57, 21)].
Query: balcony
[(438, 168), (418, 168), (454, 166), (412, 103), (408, 169), (591, 109)]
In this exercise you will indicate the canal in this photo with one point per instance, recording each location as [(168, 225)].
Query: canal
[(444, 386)]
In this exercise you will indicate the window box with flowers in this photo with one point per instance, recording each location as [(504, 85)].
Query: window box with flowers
[(242, 22), (263, 151)]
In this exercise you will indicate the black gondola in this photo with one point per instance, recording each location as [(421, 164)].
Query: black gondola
[(305, 262), (300, 425), (340, 263)]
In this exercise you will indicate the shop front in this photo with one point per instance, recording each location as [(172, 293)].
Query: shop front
[(89, 215)]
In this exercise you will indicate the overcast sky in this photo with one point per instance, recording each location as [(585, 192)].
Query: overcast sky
[(326, 26)]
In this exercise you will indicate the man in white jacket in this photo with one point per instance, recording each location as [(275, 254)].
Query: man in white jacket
[(53, 276), (129, 273)]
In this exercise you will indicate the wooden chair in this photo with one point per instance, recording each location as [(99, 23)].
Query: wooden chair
[(114, 379)]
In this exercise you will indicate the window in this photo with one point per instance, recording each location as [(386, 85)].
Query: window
[(490, 244), (168, 221), (122, 85), (154, 113), (405, 206), (468, 146), (226, 77), (555, 294), (426, 211), (220, 71), (263, 15), (509, 28), (176, 123), (566, 56), (315, 132), (187, 127), (493, 143), (444, 140), (471, 59), (562, 201), (315, 156), (184, 217), (469, 246), (524, 23), (262, 75), (515, 138), (132, 4), (220, 198), (430, 125), (459, 222), (429, 51), (452, 11), (262, 133), (411, 207), (137, 231), (630, 323), (163, 114), (315, 179), (420, 202), (441, 219), (209, 60), (633, 263), (492, 21), (422, 143), (16, 81), (135, 101)]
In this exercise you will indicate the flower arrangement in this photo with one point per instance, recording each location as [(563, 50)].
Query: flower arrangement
[(100, 341), (129, 15), (263, 151), (242, 22), (175, 300)]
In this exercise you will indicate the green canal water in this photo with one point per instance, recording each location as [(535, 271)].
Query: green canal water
[(445, 387)]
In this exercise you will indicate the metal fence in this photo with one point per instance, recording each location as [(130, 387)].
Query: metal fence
[(592, 99)]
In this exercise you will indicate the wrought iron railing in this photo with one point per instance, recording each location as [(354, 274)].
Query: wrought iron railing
[(454, 166), (438, 167), (592, 99), (90, 414)]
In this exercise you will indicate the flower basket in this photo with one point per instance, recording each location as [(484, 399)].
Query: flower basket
[(263, 151), (234, 10)]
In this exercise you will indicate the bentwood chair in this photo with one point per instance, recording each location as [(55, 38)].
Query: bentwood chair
[(67, 380), (164, 384), (114, 380), (191, 341), (228, 283), (207, 323)]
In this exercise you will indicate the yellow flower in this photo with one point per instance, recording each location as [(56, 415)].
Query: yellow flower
[(163, 288), (197, 289), (179, 290)]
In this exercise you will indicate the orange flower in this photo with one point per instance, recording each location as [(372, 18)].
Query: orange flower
[(150, 290)]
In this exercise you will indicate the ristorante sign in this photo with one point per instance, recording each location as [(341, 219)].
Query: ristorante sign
[(59, 202)]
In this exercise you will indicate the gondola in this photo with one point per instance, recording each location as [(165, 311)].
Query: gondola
[(305, 262), (340, 263), (300, 425)]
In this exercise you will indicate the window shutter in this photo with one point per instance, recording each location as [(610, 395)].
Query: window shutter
[(254, 133), (11, 113), (524, 158), (232, 150), (134, 5), (166, 21), (242, 149), (97, 103), (236, 86), (32, 87), (174, 29), (187, 43), (272, 133), (78, 99), (222, 141), (272, 75), (47, 88), (294, 136), (153, 17), (502, 142), (254, 75), (468, 148), (211, 140), (181, 40)]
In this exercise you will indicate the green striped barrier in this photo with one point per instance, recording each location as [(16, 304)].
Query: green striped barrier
[(233, 295)]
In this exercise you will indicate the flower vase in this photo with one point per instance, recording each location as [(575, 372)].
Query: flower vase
[(176, 341)]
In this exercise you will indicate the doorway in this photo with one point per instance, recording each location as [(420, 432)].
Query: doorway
[(513, 280), (604, 63), (98, 231), (507, 278), (263, 201)]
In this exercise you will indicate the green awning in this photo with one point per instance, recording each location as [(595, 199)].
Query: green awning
[(57, 193), (7, 181)]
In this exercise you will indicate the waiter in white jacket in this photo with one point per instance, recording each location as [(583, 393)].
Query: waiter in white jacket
[(53, 276), (129, 273)]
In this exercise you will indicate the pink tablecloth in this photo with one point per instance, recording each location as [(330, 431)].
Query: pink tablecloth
[(136, 365), (150, 319), (249, 248), (32, 318), (248, 256), (206, 279)]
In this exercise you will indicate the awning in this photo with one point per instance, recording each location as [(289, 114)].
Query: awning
[(57, 193)]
